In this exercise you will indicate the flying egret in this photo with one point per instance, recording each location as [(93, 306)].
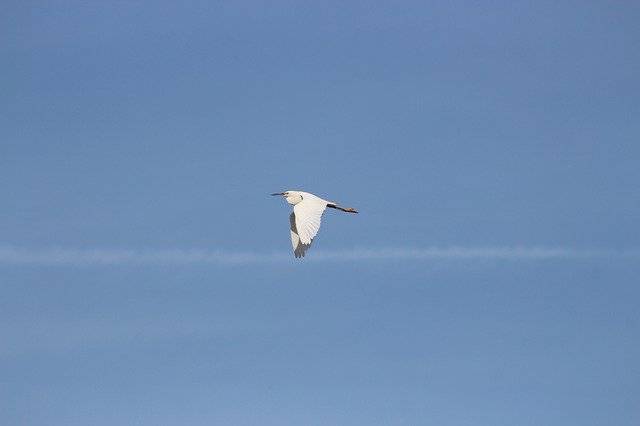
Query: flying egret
[(305, 219)]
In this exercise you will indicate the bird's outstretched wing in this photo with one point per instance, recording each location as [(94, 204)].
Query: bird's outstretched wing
[(308, 215), (299, 249)]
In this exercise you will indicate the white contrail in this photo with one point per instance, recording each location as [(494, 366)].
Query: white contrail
[(11, 255)]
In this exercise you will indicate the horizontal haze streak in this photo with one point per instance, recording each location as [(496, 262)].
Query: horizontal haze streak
[(61, 256)]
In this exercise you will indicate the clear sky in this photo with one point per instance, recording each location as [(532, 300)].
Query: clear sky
[(135, 134)]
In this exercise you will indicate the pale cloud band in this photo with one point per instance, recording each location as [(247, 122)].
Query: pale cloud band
[(11, 255)]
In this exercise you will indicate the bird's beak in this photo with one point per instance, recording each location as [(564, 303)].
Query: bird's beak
[(278, 193)]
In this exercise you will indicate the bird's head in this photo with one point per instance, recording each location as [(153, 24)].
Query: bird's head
[(292, 197)]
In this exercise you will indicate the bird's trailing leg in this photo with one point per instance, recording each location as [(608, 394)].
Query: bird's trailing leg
[(344, 209)]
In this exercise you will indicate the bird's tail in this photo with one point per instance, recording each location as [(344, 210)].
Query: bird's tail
[(344, 209)]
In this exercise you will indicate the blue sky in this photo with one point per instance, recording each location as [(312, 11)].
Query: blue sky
[(487, 127)]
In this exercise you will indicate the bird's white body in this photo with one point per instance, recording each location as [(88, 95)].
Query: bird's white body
[(306, 218)]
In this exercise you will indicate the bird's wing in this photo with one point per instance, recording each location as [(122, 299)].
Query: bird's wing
[(299, 249), (308, 214)]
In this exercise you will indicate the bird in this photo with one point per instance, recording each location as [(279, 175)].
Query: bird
[(305, 219)]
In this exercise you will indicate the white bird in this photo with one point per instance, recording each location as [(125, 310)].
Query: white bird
[(305, 219)]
